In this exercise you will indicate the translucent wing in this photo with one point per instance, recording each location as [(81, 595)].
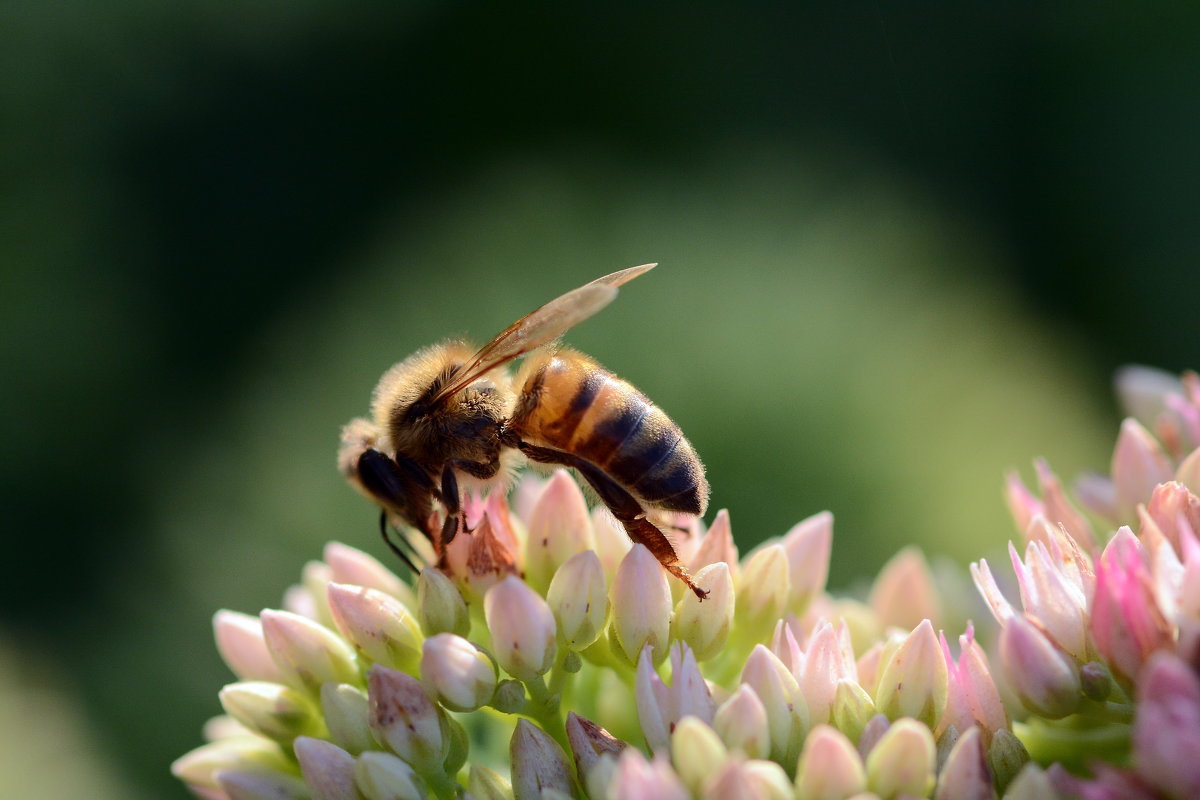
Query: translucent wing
[(539, 327)]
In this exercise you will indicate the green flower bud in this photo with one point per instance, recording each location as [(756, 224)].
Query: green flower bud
[(697, 752), (440, 604), (308, 653), (538, 763), (383, 776), (277, 712), (578, 596), (903, 761), (706, 626), (456, 673), (487, 784)]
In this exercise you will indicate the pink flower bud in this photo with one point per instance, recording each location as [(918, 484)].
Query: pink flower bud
[(659, 706), (457, 673), (328, 770), (1176, 512), (1043, 677), (1048, 595), (242, 647), (522, 627), (1126, 623), (753, 779), (201, 766), (1166, 730), (1059, 511), (641, 605), (639, 779), (762, 592), (742, 724), (1138, 465), (966, 775), (346, 711), (808, 546), (257, 785), (830, 768), (787, 712), (559, 527), (307, 653), (379, 625), (270, 709), (717, 545), (348, 565), (829, 659), (904, 592), (697, 753), (406, 720), (589, 743)]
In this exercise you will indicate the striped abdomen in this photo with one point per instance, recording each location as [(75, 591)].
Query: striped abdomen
[(570, 403)]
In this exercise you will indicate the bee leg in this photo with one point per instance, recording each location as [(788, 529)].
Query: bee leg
[(624, 507), (399, 485), (383, 531), (451, 498)]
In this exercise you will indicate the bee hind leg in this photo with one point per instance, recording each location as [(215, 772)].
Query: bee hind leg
[(624, 507)]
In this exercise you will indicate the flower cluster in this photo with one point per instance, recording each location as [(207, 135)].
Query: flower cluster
[(550, 658)]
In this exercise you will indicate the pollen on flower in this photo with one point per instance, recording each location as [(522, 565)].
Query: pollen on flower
[(548, 642)]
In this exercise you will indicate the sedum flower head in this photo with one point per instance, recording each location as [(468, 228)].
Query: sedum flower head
[(548, 657)]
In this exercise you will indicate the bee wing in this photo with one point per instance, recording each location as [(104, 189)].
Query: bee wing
[(540, 327)]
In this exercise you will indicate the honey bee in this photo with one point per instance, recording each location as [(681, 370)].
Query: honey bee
[(450, 415)]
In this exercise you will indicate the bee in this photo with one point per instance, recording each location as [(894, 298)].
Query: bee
[(450, 415)]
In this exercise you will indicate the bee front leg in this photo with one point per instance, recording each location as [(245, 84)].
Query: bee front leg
[(452, 499), (624, 507)]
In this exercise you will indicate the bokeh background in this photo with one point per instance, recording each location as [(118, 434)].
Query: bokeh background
[(903, 246)]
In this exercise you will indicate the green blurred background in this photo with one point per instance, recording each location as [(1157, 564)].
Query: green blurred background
[(902, 246)]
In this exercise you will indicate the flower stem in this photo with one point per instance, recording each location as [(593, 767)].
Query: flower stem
[(543, 707)]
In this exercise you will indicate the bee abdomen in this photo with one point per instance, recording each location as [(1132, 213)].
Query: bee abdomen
[(578, 407)]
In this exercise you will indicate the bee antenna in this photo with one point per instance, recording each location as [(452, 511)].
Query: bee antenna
[(387, 539)]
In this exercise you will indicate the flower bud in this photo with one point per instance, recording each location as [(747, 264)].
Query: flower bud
[(1006, 756), (522, 627), (1166, 730), (717, 545), (559, 527), (538, 763), (829, 768), (914, 682), (307, 653), (509, 697), (1126, 622), (762, 592), (440, 605), (1042, 676), (753, 779), (261, 785), (346, 711), (590, 743), (612, 542), (377, 624), (352, 566), (457, 673), (328, 770), (904, 593), (201, 766), (487, 784), (308, 599), (459, 745), (639, 779), (1138, 465), (874, 730), (852, 709), (808, 545), (828, 660), (641, 605), (406, 720), (1059, 511), (382, 776), (241, 645), (706, 626), (741, 722), (979, 689), (697, 752), (903, 761), (965, 775), (1031, 783), (271, 710), (490, 557), (659, 706), (787, 712), (578, 597)]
